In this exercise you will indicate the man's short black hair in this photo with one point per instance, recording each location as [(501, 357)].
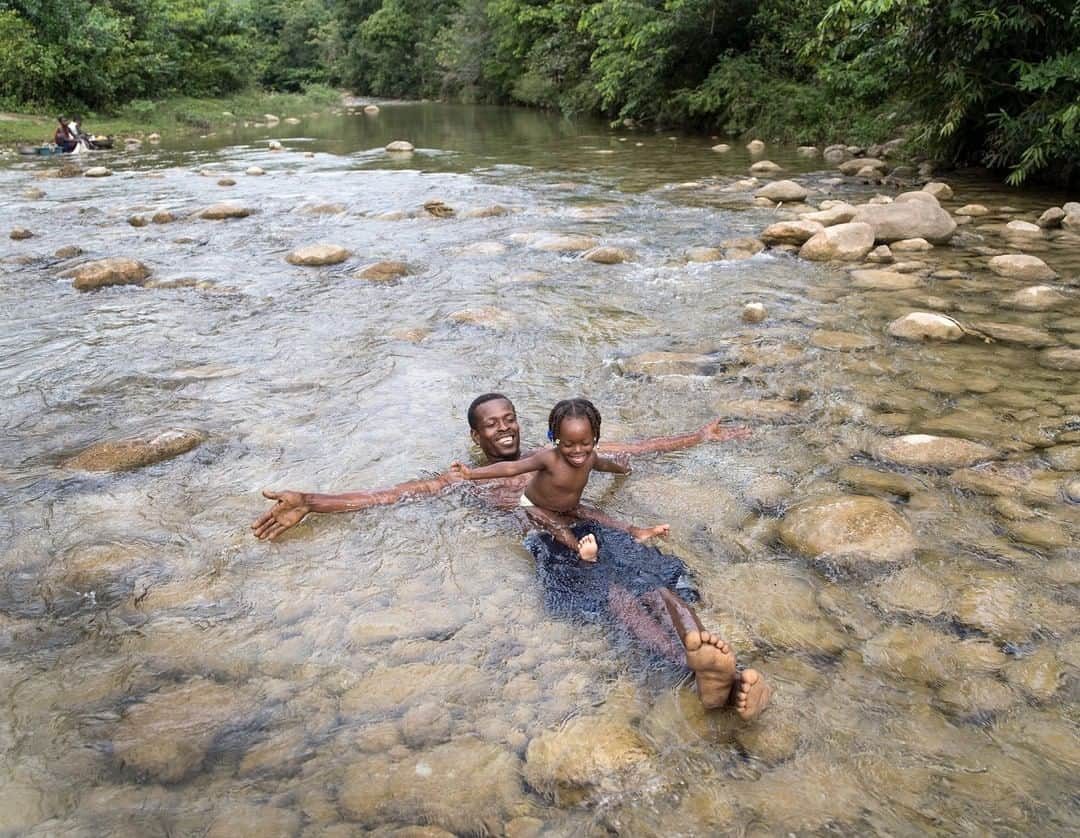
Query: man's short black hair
[(479, 400)]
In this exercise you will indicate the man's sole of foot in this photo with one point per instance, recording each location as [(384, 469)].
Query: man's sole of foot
[(750, 695), (713, 663)]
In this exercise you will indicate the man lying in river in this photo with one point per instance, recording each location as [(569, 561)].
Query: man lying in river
[(651, 616)]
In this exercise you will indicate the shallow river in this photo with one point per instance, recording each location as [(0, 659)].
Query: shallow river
[(164, 673)]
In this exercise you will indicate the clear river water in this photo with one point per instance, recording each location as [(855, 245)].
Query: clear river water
[(394, 672)]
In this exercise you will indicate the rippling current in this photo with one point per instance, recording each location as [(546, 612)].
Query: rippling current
[(164, 673)]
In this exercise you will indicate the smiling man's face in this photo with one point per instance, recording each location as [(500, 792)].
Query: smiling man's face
[(497, 431)]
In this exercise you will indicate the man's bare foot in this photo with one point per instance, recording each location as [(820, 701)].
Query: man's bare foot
[(645, 533), (750, 695), (713, 663), (588, 548)]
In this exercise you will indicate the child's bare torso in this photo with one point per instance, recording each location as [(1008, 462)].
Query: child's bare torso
[(558, 486)]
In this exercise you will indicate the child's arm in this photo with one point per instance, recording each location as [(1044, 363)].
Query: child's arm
[(617, 464), (507, 468)]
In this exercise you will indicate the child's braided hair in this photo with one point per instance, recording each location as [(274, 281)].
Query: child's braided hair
[(573, 409)]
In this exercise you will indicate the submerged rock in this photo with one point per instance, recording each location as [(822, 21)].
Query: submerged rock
[(1011, 333), (563, 243), (439, 209), (316, 255), (840, 341), (20, 233), (166, 736), (704, 254), (753, 313), (608, 255), (1060, 359), (465, 786), (586, 754), (105, 272), (485, 248), (926, 325), (879, 279), (926, 451), (384, 271), (1036, 298), (665, 363), (848, 526), (220, 212), (1021, 266), (135, 453)]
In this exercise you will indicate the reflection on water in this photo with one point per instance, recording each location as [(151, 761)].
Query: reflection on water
[(169, 674)]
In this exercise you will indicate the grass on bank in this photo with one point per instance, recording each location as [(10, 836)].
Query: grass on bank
[(176, 115)]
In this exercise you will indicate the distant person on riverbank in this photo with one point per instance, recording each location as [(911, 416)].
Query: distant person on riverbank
[(552, 497), (64, 137)]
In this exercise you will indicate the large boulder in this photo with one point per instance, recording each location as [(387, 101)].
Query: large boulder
[(316, 255), (126, 454), (104, 272), (926, 451), (846, 242), (586, 754), (848, 527), (1021, 266), (783, 190), (908, 219), (791, 232), (926, 325), (466, 787)]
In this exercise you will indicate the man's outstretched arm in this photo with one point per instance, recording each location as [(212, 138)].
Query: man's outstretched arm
[(292, 507), (714, 431)]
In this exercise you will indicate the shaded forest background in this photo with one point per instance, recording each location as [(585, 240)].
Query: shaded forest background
[(983, 82)]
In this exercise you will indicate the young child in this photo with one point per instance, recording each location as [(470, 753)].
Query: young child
[(552, 497)]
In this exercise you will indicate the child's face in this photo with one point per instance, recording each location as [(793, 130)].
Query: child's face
[(575, 441)]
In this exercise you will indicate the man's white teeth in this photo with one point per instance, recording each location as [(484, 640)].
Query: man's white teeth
[(505, 440)]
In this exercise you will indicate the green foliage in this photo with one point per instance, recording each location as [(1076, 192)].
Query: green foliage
[(990, 81)]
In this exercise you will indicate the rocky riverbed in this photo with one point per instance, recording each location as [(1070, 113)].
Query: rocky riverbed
[(314, 307)]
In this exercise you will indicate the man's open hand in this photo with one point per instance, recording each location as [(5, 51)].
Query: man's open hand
[(289, 511), (717, 431)]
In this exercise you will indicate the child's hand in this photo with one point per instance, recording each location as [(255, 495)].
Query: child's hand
[(716, 431), (460, 470), (622, 460)]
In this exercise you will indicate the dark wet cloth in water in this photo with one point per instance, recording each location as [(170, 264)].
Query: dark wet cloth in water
[(577, 589)]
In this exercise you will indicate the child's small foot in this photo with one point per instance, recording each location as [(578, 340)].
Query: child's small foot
[(750, 695), (713, 663), (588, 548), (645, 533)]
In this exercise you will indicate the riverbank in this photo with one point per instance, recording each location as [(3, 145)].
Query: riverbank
[(178, 115)]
